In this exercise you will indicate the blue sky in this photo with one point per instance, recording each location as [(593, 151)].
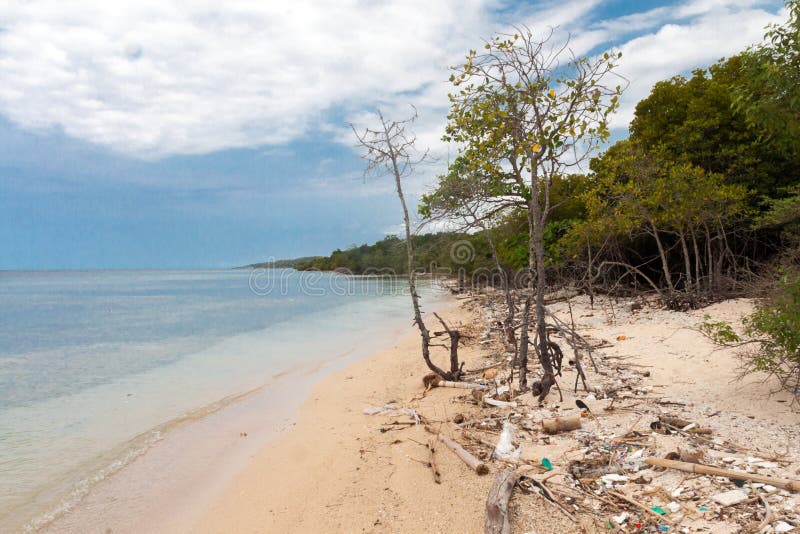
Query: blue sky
[(151, 134)]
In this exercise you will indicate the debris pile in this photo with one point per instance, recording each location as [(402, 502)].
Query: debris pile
[(614, 456)]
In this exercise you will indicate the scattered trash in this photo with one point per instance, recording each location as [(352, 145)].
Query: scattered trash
[(610, 452)]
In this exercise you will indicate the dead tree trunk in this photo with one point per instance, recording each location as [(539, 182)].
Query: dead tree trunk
[(455, 337), (412, 284), (389, 150)]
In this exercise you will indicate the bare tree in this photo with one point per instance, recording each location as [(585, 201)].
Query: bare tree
[(389, 150)]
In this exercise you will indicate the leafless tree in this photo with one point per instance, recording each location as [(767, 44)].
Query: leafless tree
[(389, 149)]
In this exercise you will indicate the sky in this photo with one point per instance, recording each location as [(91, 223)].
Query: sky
[(207, 134)]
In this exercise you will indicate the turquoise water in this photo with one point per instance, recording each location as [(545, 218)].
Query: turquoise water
[(95, 364)]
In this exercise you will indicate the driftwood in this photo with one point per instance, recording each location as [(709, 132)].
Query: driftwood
[(499, 404), (462, 385), (701, 469), (497, 502), (473, 463), (561, 424)]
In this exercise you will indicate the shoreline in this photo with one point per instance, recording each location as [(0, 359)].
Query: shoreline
[(169, 485), (335, 471)]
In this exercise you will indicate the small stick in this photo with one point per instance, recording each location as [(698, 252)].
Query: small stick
[(701, 469), (437, 477), (462, 385), (768, 516), (473, 463)]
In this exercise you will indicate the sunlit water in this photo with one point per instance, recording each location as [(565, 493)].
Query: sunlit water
[(96, 365)]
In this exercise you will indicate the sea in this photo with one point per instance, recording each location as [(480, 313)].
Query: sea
[(99, 367)]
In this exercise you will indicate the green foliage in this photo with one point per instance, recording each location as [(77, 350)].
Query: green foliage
[(720, 332), (768, 88), (694, 120), (637, 191), (776, 324)]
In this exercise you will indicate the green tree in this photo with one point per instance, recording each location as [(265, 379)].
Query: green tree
[(768, 88), (526, 107), (673, 205), (694, 120)]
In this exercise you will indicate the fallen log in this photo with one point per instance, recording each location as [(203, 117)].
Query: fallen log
[(561, 424), (701, 469), (497, 502), (473, 463)]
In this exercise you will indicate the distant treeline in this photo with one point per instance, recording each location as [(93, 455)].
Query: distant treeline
[(441, 252), (281, 264)]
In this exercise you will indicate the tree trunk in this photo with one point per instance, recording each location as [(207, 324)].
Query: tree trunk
[(509, 323), (698, 260), (537, 252), (412, 285), (687, 261), (524, 336), (663, 254), (709, 260)]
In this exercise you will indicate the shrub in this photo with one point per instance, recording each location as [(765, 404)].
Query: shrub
[(775, 326)]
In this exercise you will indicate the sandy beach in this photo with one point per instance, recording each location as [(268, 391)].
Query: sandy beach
[(340, 470)]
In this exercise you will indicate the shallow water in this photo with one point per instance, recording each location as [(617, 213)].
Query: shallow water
[(96, 366)]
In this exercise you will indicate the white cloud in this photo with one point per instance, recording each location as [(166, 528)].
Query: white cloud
[(721, 31), (163, 77), (160, 77)]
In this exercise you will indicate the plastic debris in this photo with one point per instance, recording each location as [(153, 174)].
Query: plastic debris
[(730, 498), (673, 507), (610, 478), (505, 450), (659, 510), (547, 464), (621, 518)]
